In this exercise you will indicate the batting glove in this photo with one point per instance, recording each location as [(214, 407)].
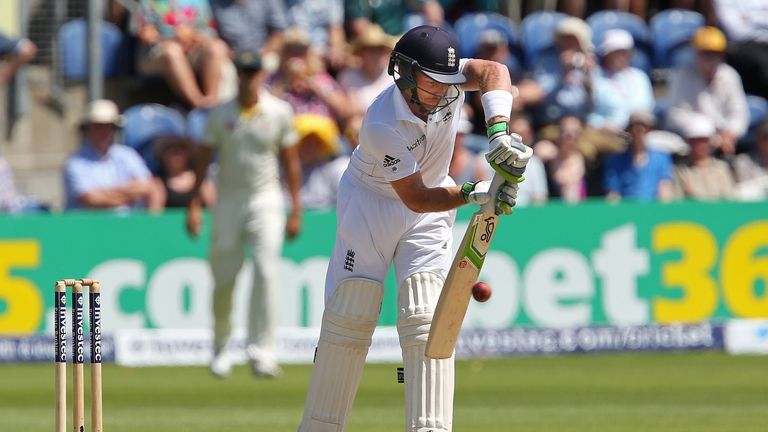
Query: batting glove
[(507, 149), (478, 193)]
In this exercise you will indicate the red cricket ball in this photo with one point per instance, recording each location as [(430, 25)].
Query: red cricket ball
[(481, 291)]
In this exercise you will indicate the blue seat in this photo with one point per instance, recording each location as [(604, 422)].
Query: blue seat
[(758, 110), (602, 21), (72, 50), (470, 26), (145, 123), (537, 32), (197, 119), (671, 31)]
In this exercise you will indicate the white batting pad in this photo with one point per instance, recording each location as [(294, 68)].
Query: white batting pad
[(345, 336), (428, 382)]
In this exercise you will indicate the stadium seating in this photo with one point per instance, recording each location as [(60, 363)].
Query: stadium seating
[(412, 19), (147, 122), (470, 26), (196, 121), (671, 31), (72, 51), (601, 21), (537, 33), (758, 110)]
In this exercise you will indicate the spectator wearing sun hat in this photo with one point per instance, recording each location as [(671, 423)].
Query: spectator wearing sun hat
[(701, 176), (321, 162), (103, 173), (562, 76), (711, 88), (619, 89), (369, 77)]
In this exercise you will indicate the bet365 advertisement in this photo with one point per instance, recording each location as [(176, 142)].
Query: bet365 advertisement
[(556, 266)]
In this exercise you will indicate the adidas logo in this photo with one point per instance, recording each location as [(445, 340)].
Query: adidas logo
[(389, 161)]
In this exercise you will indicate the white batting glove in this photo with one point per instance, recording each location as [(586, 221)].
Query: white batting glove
[(478, 193), (509, 150)]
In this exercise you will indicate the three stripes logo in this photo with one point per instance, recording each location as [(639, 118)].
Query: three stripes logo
[(390, 162)]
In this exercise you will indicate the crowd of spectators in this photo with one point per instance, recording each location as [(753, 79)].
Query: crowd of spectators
[(599, 126)]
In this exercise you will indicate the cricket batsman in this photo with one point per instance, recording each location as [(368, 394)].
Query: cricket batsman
[(396, 204)]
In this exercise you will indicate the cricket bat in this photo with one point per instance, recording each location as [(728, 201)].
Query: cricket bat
[(457, 290)]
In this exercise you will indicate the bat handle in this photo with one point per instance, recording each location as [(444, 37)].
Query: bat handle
[(496, 183)]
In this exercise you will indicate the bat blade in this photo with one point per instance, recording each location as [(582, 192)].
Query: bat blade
[(457, 291)]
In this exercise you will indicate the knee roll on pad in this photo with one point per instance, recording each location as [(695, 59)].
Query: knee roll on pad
[(428, 383), (349, 320)]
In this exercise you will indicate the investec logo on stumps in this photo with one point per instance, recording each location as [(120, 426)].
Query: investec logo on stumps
[(61, 327), (78, 351), (95, 327)]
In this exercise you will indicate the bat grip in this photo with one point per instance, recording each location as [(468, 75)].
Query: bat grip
[(496, 183)]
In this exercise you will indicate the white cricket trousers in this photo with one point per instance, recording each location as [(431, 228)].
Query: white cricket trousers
[(375, 231), (256, 222)]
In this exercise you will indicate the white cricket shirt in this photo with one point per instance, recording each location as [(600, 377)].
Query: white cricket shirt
[(249, 143), (394, 143)]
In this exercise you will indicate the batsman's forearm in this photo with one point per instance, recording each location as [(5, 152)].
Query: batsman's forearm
[(487, 75), (437, 199)]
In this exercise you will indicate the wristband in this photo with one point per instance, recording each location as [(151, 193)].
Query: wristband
[(497, 103), (466, 189), (500, 127)]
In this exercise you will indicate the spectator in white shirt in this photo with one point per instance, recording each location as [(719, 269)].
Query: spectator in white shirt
[(710, 88), (619, 89), (746, 24)]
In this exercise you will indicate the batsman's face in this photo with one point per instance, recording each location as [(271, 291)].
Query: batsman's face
[(430, 92)]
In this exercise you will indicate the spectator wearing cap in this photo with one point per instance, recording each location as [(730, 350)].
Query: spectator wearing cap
[(751, 169), (103, 173), (321, 162), (711, 88), (16, 53), (177, 40), (562, 75), (619, 89), (639, 173), (701, 176), (302, 80), (255, 140)]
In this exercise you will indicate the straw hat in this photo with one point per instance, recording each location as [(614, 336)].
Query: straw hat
[(373, 37), (579, 29), (102, 111)]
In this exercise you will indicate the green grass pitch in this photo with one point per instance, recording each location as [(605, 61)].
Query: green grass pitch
[(696, 392)]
